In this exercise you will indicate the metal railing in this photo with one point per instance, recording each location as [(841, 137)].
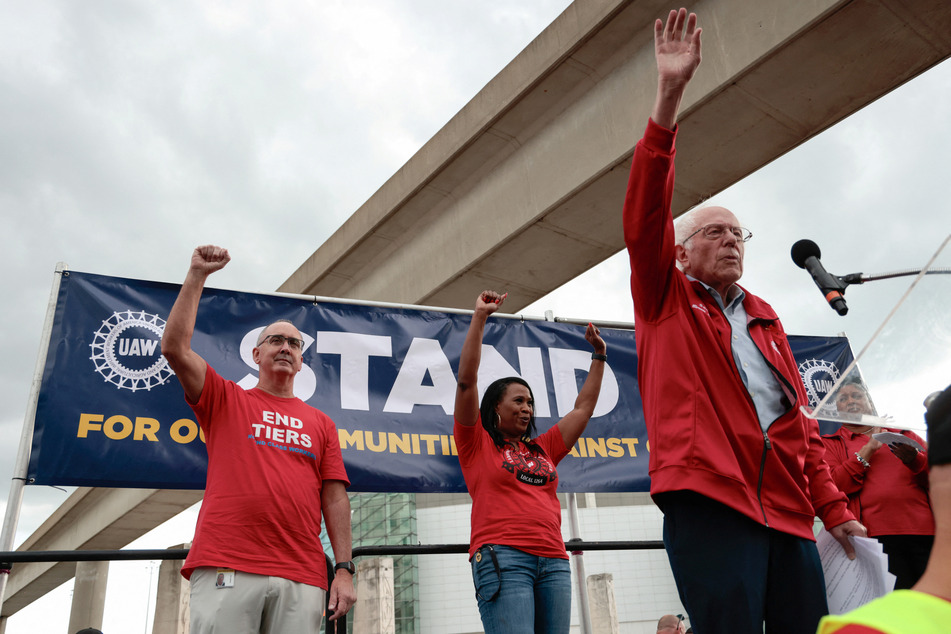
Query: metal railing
[(28, 556), (7, 559)]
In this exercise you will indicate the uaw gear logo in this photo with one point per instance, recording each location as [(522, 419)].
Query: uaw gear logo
[(819, 376), (126, 351), (529, 466)]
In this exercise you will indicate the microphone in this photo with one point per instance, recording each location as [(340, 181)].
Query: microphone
[(806, 254)]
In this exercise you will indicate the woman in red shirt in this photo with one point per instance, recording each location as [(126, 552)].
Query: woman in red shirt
[(887, 488), (519, 564)]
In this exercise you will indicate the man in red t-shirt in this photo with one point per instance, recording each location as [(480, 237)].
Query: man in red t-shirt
[(274, 470)]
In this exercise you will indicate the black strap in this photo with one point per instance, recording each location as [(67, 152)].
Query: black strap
[(498, 573)]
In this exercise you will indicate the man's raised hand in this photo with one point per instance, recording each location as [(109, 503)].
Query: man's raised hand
[(677, 47), (208, 258)]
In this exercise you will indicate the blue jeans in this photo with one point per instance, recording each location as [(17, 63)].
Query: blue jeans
[(526, 594)]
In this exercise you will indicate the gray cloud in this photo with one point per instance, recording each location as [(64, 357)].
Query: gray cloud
[(131, 132)]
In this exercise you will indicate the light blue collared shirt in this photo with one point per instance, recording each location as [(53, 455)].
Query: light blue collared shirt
[(763, 386)]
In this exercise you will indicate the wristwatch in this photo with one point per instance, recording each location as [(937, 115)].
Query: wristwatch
[(346, 565)]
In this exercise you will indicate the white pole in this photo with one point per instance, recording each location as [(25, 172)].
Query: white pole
[(576, 557), (14, 502), (578, 560)]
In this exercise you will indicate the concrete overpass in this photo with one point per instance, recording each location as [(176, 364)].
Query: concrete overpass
[(522, 188)]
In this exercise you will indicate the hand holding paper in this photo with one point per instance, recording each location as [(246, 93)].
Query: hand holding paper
[(851, 583)]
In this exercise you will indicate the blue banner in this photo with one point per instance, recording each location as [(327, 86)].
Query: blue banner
[(111, 413)]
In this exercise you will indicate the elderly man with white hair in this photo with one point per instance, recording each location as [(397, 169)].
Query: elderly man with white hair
[(735, 467)]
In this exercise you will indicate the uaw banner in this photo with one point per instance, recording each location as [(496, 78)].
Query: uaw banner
[(110, 412)]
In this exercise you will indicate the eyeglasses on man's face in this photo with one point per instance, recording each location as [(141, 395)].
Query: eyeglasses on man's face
[(717, 230), (278, 340)]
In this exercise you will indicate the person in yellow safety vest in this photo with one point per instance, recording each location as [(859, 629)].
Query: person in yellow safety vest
[(926, 608)]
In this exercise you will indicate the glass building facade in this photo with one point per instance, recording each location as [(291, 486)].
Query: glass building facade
[(389, 519)]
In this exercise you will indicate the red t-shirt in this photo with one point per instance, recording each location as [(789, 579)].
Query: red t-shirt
[(513, 491), (267, 459)]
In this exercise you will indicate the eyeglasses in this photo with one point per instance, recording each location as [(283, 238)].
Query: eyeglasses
[(278, 340), (716, 230)]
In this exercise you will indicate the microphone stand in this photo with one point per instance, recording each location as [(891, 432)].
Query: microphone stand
[(860, 278)]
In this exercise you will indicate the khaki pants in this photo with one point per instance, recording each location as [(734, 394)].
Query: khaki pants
[(256, 604)]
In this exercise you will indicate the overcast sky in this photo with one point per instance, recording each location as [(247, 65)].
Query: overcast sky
[(133, 131)]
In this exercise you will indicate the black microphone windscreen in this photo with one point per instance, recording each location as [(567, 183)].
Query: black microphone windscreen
[(803, 250)]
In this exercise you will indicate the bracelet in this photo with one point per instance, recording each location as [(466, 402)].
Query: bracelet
[(862, 460), (597, 356)]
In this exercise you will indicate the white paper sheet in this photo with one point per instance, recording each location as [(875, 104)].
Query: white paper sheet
[(852, 583), (891, 438)]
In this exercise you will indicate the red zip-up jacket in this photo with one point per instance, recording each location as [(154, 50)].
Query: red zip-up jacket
[(888, 498), (702, 425)]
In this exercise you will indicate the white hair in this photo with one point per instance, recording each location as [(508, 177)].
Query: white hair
[(688, 224), (685, 226)]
